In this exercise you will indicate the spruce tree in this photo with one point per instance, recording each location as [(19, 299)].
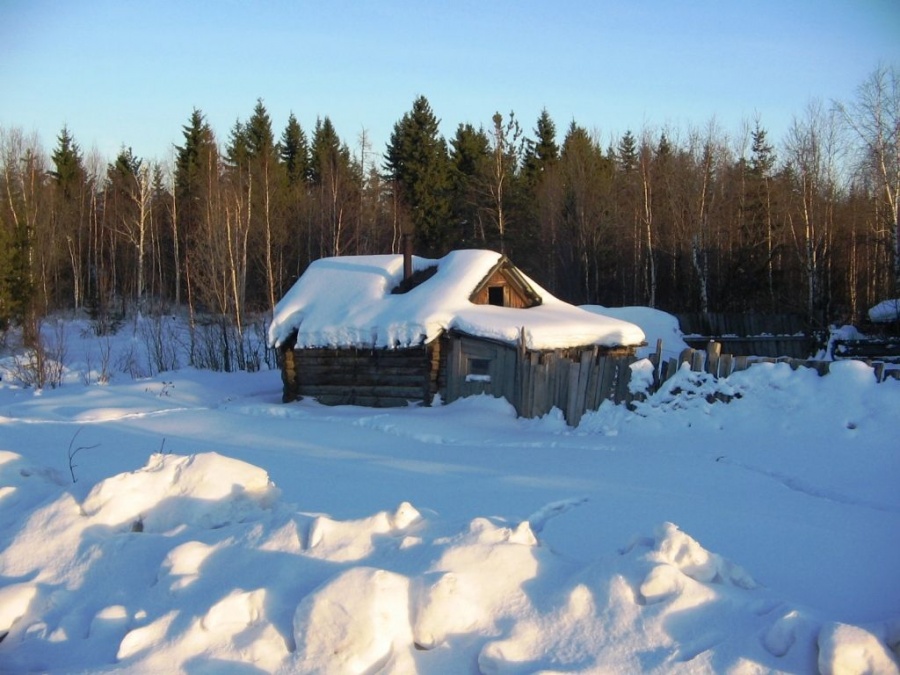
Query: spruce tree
[(69, 173), (418, 164), (192, 161), (264, 168), (294, 151), (237, 150), (663, 147), (326, 151), (470, 158), (758, 220), (536, 227), (542, 152), (336, 183), (626, 152), (258, 130), (70, 192), (763, 160), (196, 167)]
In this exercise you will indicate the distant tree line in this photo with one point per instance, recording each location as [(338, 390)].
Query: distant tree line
[(683, 220)]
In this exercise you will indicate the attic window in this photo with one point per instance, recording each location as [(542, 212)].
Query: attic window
[(496, 296)]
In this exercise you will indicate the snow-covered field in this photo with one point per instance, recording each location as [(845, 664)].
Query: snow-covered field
[(211, 529)]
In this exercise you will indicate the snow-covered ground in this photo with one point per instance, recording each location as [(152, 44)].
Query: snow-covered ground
[(211, 529)]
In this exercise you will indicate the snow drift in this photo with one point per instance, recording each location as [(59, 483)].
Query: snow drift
[(684, 536)]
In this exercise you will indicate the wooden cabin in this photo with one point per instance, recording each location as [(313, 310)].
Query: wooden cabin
[(392, 330)]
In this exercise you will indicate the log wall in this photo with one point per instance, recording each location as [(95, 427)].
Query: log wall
[(377, 378)]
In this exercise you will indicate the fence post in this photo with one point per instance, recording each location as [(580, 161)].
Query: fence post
[(726, 365), (713, 352), (697, 362), (656, 360)]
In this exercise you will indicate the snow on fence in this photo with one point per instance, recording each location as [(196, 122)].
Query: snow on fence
[(577, 386)]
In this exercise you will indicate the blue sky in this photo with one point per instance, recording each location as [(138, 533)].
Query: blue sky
[(130, 73)]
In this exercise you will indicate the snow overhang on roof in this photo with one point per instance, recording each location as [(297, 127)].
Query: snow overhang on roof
[(885, 311), (347, 302)]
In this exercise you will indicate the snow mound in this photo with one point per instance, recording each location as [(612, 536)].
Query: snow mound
[(206, 489), (344, 541), (14, 602), (477, 582), (656, 324), (847, 649), (356, 623), (679, 551)]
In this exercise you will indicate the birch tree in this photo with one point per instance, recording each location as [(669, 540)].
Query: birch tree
[(506, 151), (874, 117), (811, 151)]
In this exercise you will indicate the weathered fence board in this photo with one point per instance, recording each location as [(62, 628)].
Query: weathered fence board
[(573, 383)]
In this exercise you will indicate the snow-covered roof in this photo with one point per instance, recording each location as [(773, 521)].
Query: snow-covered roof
[(347, 302), (886, 311)]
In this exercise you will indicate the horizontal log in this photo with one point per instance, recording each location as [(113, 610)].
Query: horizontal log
[(365, 390), (727, 339), (362, 368), (386, 374), (368, 401), (358, 361)]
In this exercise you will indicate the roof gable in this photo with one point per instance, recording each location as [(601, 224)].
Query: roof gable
[(515, 290)]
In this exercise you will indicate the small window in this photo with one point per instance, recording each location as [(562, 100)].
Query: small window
[(478, 370), (496, 296)]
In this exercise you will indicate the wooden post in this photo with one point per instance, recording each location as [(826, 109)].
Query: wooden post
[(726, 365), (697, 362), (672, 369), (713, 352), (657, 362), (593, 399), (623, 375)]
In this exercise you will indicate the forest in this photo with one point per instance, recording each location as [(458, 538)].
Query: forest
[(685, 220)]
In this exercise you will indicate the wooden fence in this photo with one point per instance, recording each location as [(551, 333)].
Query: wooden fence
[(711, 360), (752, 334), (549, 380)]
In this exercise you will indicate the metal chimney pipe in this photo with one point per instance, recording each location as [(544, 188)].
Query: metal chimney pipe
[(406, 243)]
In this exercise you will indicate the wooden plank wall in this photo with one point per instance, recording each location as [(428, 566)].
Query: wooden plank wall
[(535, 382)]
